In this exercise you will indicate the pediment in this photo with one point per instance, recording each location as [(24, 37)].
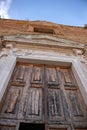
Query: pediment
[(43, 40)]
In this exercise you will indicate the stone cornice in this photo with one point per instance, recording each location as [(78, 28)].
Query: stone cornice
[(42, 40)]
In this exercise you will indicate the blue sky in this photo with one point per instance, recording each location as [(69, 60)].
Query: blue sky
[(68, 12)]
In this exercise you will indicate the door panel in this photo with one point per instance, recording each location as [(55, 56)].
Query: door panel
[(77, 108), (10, 108), (36, 74), (19, 73), (51, 77), (34, 108), (55, 106), (31, 106), (67, 81), (67, 77), (55, 110), (75, 105)]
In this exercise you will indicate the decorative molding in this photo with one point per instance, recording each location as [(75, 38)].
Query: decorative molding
[(21, 52), (43, 40), (18, 52)]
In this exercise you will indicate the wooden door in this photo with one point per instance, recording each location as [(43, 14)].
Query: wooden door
[(43, 94), (66, 108)]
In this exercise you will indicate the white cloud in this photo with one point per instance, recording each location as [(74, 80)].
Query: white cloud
[(4, 8)]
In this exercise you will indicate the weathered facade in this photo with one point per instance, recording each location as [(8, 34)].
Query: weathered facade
[(43, 76)]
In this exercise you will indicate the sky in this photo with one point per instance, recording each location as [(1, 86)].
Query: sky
[(67, 12)]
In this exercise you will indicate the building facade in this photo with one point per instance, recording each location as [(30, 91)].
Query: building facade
[(43, 76)]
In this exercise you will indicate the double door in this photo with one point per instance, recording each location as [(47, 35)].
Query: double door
[(43, 96)]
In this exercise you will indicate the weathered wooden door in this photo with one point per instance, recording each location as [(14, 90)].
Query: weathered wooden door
[(65, 107), (42, 94)]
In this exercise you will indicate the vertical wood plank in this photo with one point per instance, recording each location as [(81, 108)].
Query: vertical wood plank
[(13, 99)]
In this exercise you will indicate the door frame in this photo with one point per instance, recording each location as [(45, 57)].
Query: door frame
[(9, 62)]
